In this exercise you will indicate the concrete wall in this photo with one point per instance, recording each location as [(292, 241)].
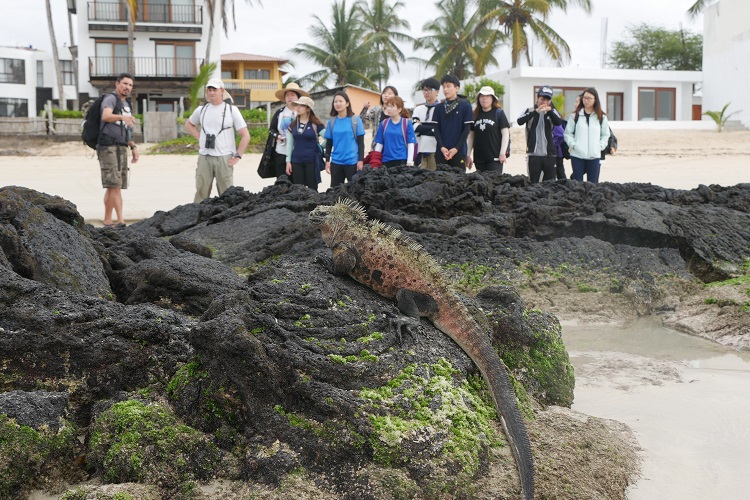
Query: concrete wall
[(726, 58)]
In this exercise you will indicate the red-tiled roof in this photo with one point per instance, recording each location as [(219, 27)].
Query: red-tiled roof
[(241, 56)]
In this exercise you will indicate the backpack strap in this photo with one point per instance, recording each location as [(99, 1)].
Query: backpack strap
[(403, 130)]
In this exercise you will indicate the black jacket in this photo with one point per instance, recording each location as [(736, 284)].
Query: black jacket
[(530, 118)]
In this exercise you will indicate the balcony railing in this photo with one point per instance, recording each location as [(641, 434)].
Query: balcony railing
[(145, 67), (251, 84), (166, 14)]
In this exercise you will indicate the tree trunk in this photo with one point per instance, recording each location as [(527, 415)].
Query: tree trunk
[(211, 7), (131, 29), (56, 57), (74, 54)]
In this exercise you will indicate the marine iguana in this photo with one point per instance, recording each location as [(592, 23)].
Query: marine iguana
[(395, 266)]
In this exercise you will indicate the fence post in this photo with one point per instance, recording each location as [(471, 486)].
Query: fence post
[(143, 125), (268, 115)]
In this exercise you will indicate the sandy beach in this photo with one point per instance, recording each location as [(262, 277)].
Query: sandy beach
[(680, 159)]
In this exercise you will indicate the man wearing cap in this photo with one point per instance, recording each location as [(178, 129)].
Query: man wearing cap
[(217, 120), (454, 119), (281, 121), (540, 148), (424, 124)]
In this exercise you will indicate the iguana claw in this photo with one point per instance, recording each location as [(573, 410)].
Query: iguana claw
[(405, 323)]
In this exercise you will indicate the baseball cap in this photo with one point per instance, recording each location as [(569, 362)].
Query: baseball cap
[(305, 101), (487, 90), (215, 83), (545, 91), (431, 83)]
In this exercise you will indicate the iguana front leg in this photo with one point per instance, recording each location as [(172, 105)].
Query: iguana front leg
[(413, 305), (342, 260)]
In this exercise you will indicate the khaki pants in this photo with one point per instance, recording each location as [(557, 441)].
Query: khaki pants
[(210, 167), (428, 161)]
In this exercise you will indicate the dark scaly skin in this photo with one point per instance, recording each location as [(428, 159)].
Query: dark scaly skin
[(397, 268)]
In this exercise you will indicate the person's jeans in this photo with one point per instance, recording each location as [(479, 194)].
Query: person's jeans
[(589, 167)]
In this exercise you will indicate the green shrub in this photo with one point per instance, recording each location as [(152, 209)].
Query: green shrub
[(254, 115)]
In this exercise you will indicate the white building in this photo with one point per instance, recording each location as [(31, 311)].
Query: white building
[(626, 94), (169, 48), (726, 58), (28, 80)]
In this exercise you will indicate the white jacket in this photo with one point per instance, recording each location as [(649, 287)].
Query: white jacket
[(587, 140)]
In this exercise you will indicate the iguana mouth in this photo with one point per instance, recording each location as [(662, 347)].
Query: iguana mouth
[(318, 215)]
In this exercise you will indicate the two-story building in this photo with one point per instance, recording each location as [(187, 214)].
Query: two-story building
[(252, 80), (169, 48), (28, 80)]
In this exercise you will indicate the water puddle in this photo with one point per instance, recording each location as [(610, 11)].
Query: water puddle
[(686, 398)]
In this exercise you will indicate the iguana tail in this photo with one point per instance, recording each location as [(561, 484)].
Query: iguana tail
[(496, 375)]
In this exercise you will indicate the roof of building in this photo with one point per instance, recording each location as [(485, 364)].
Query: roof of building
[(241, 56), (333, 90)]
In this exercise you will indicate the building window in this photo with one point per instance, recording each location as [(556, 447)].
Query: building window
[(227, 75), (40, 73), (14, 108), (67, 72), (12, 71), (656, 104), (111, 58), (614, 106), (176, 60), (257, 74)]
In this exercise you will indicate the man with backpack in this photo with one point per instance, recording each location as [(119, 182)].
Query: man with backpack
[(424, 124), (115, 136), (218, 154)]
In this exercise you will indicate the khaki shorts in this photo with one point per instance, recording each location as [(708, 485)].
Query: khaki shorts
[(114, 171), (428, 161)]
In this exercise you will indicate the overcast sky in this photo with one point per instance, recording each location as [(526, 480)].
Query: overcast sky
[(279, 25)]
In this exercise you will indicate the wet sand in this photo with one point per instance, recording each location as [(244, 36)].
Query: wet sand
[(685, 398)]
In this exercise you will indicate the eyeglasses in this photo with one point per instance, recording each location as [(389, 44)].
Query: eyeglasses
[(589, 98)]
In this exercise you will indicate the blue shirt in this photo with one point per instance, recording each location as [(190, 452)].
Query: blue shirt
[(451, 124), (392, 139), (345, 150)]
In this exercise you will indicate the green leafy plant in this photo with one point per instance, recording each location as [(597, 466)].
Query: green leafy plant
[(721, 117), (199, 83), (470, 90)]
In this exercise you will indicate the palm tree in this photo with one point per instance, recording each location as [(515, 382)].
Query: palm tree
[(698, 7), (380, 18), (56, 57), (459, 44), (74, 57), (226, 7), (344, 51), (515, 17)]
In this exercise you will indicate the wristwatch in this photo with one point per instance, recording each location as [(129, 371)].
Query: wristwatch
[(237, 155)]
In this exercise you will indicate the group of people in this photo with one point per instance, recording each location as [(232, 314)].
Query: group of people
[(585, 135), (447, 132)]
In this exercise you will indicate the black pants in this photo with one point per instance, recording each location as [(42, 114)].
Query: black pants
[(456, 161), (560, 167), (341, 173), (394, 163), (279, 163), (539, 165), (489, 166), (304, 173)]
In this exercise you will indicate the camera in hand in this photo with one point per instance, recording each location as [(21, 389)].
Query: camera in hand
[(210, 141)]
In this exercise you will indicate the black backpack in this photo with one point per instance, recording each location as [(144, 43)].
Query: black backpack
[(93, 120)]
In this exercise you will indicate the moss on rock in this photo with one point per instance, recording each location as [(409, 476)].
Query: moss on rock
[(136, 442), (26, 454)]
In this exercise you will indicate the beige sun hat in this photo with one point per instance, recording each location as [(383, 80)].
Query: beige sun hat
[(487, 90), (291, 87), (305, 101)]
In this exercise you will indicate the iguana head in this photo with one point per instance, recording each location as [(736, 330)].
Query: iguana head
[(343, 212)]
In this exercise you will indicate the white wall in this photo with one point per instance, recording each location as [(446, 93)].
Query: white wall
[(520, 82), (726, 58)]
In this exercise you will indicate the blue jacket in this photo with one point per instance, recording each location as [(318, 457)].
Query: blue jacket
[(587, 140)]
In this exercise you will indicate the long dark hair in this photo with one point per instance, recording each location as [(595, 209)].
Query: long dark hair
[(312, 117), (478, 108), (349, 111), (597, 103), (384, 89)]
